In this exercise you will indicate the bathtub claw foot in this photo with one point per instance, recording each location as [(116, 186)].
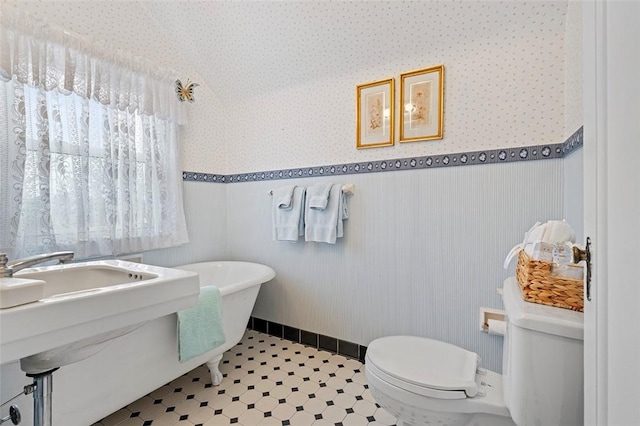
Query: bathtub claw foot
[(216, 375)]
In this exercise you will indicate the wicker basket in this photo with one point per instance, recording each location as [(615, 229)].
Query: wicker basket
[(539, 286)]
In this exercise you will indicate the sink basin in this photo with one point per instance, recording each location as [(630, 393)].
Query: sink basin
[(83, 306), (75, 281)]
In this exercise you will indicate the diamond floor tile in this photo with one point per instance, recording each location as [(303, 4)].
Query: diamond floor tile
[(267, 382)]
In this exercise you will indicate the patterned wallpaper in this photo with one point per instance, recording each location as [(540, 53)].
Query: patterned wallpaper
[(291, 69), (278, 78), (573, 112)]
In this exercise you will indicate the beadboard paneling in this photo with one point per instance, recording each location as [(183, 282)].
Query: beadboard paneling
[(423, 251), (206, 215), (573, 192)]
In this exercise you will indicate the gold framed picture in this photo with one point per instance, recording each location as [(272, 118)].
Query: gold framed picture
[(374, 114), (422, 104)]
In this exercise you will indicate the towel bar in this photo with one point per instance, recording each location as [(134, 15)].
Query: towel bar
[(347, 188)]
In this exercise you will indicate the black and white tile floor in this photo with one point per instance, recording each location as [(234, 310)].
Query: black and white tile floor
[(267, 381)]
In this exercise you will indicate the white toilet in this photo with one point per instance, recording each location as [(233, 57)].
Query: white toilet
[(422, 381)]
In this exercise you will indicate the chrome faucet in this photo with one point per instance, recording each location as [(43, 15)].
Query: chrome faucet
[(7, 269)]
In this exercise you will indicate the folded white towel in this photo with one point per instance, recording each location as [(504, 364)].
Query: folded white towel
[(326, 225), (282, 196), (318, 195), (288, 224)]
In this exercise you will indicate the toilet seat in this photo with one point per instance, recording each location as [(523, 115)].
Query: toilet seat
[(424, 366)]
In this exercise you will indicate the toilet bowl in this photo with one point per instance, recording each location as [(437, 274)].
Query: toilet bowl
[(423, 381), (455, 393)]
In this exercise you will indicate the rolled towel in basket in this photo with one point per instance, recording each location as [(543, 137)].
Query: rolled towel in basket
[(539, 240), (558, 231)]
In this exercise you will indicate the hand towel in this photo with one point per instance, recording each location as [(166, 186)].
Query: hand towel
[(282, 196), (288, 224), (318, 195), (200, 327), (326, 225)]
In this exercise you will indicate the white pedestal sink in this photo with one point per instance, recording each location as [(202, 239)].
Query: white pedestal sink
[(54, 316), (83, 306)]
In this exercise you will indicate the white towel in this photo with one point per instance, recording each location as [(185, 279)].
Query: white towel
[(326, 225), (540, 238), (318, 195), (282, 196), (288, 224), (558, 231)]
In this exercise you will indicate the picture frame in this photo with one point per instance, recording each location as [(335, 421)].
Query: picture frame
[(375, 114), (422, 104)]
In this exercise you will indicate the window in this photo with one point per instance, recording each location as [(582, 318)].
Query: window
[(89, 162)]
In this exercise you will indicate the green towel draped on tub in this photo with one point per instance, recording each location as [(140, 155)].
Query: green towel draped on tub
[(200, 327)]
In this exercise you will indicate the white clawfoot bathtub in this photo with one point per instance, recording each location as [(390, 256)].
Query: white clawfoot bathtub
[(239, 283), (147, 358)]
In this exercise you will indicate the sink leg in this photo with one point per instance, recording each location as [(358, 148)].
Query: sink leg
[(216, 375), (42, 398)]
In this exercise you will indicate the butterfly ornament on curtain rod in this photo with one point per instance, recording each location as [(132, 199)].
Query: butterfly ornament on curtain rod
[(185, 93)]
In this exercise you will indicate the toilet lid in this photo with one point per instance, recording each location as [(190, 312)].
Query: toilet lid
[(425, 366)]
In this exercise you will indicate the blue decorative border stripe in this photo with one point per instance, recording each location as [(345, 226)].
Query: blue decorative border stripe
[(574, 142), (507, 155), (204, 177)]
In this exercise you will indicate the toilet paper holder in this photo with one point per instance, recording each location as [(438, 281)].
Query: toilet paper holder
[(487, 314)]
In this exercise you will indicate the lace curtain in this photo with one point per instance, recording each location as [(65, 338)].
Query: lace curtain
[(89, 147)]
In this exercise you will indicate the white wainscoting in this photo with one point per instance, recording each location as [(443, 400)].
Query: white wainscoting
[(205, 209), (423, 251), (573, 192)]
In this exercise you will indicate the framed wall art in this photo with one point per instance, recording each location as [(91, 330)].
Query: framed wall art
[(421, 104), (374, 114)]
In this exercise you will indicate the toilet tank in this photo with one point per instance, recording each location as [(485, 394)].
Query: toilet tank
[(542, 361)]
